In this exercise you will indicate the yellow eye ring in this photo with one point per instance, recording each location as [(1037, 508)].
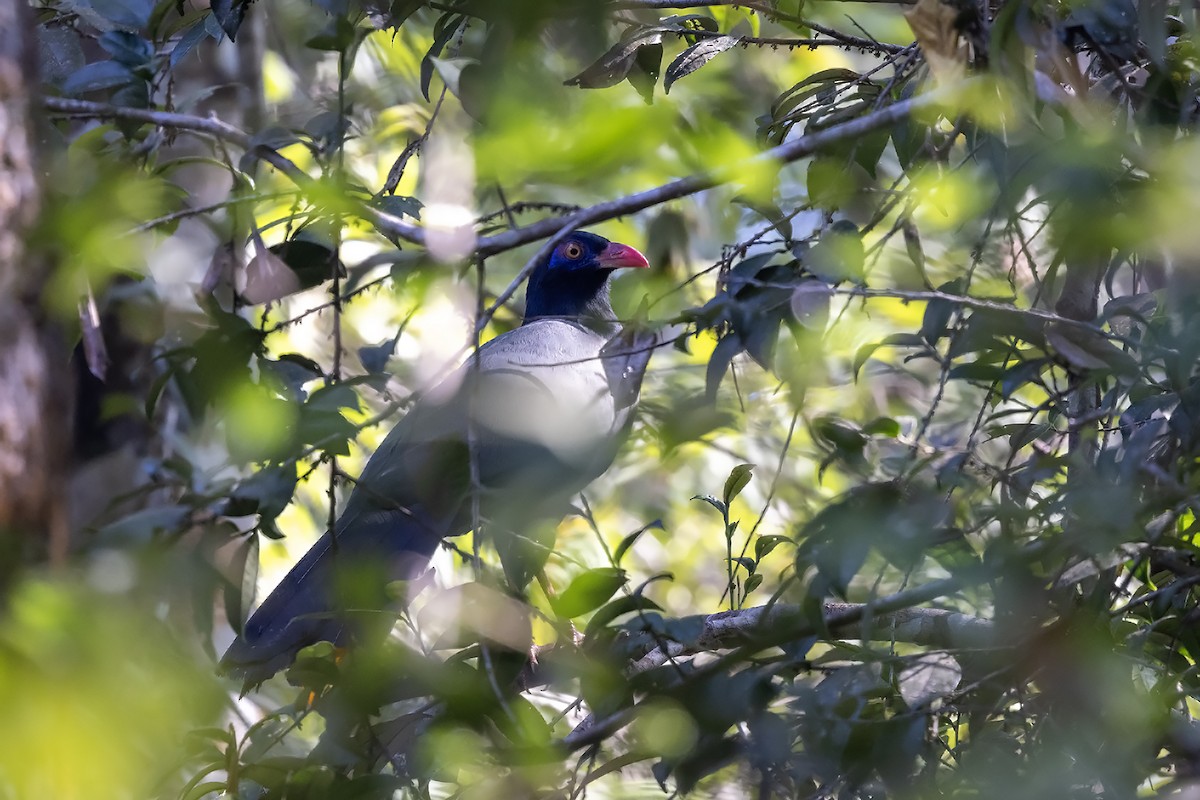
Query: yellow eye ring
[(572, 251)]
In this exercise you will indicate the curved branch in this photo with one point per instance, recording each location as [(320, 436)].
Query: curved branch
[(554, 227), (801, 147)]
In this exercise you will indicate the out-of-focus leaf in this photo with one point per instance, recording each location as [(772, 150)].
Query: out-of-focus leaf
[(696, 57), (626, 604), (141, 526), (938, 313), (127, 48), (310, 256), (770, 211), (718, 363), (266, 492), (929, 677), (267, 277), (244, 568), (130, 15), (838, 254), (194, 35), (60, 54), (934, 23), (748, 564), (1020, 374), (1125, 314), (96, 76), (229, 15), (588, 591), (374, 358), (334, 398), (1086, 349), (398, 205), (337, 35), (810, 304), (464, 614), (882, 426), (328, 430), (976, 371), (400, 10), (865, 352), (701, 22)]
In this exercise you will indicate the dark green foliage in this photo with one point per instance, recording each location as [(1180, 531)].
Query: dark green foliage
[(933, 387)]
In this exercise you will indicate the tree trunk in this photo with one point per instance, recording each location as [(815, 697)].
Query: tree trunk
[(33, 403)]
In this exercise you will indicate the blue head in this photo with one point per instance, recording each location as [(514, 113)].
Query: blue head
[(573, 282)]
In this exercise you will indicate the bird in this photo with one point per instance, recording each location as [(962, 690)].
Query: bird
[(542, 409)]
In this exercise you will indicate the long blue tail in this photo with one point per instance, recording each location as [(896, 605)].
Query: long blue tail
[(318, 600)]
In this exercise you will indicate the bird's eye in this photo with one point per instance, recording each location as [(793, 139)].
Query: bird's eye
[(573, 250)]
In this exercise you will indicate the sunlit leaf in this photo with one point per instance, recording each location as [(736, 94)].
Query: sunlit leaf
[(588, 591)]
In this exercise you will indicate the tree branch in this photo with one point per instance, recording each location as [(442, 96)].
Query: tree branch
[(806, 145), (781, 630), (930, 627), (555, 227), (86, 109)]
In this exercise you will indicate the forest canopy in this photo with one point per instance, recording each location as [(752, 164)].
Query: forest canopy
[(908, 505)]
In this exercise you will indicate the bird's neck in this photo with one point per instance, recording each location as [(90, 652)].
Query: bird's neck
[(580, 297)]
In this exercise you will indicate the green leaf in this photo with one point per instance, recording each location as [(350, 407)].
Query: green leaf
[(838, 255), (328, 430), (588, 591), (626, 604), (864, 353), (766, 543), (266, 492), (736, 482), (334, 397), (398, 205), (882, 426), (644, 74), (447, 25), (712, 501), (841, 434), (629, 539)]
